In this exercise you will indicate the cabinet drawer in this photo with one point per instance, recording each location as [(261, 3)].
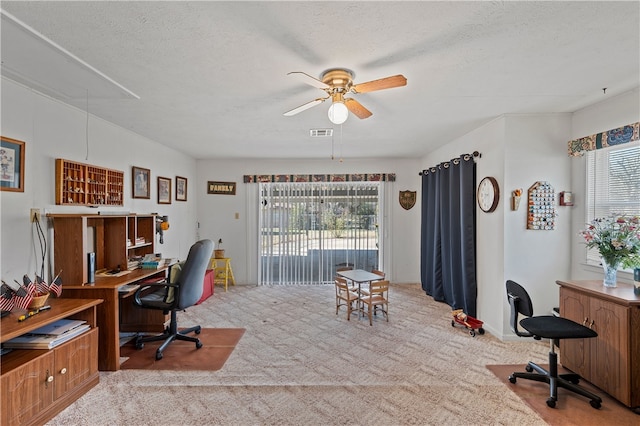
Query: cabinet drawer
[(25, 389), (75, 362)]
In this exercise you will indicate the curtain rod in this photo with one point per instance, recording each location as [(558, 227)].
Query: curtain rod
[(474, 154)]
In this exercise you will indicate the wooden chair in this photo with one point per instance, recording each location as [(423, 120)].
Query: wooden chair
[(351, 285), (378, 297), (382, 275), (345, 297)]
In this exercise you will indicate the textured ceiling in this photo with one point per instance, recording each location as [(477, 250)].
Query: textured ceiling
[(212, 76)]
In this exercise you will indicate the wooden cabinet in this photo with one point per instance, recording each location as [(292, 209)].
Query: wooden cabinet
[(113, 238), (87, 185), (610, 361), (37, 384)]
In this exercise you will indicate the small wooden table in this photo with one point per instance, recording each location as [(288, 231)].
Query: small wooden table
[(359, 276)]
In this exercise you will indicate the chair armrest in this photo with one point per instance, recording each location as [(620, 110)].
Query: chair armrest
[(137, 294)]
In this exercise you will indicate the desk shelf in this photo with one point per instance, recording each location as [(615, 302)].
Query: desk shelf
[(73, 233)]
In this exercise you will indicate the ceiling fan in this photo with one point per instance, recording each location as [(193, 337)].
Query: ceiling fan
[(338, 82)]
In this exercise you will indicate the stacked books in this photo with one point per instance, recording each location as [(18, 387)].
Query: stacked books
[(151, 261), (49, 336)]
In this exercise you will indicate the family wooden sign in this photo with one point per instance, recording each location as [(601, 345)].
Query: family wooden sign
[(224, 188)]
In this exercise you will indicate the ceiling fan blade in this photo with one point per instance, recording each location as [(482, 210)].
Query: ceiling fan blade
[(356, 108), (304, 107), (307, 79), (383, 83)]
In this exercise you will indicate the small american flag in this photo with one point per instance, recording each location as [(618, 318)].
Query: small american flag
[(24, 295), (56, 285), (6, 297), (41, 286)]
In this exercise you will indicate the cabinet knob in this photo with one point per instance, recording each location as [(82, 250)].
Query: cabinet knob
[(63, 371), (49, 379), (591, 325), (585, 321)]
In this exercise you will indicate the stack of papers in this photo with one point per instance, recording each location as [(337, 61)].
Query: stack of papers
[(49, 336)]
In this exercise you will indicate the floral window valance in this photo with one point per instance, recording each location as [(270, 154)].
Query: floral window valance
[(621, 135), (359, 177)]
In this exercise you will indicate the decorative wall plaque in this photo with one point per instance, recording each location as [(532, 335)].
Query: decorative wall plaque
[(223, 188), (407, 199)]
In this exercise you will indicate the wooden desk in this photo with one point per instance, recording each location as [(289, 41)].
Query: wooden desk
[(610, 361), (36, 384), (111, 313)]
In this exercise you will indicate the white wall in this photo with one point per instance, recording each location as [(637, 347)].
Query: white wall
[(51, 130), (216, 213), (517, 150), (536, 150), (609, 114)]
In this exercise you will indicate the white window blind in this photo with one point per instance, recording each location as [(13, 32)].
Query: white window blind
[(307, 230), (613, 185)]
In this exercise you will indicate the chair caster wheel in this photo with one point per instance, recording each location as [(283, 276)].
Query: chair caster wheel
[(158, 356), (595, 404), (198, 344), (139, 345), (512, 379), (528, 368), (551, 402), (197, 330), (453, 324)]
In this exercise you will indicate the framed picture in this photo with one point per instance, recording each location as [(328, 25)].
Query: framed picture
[(164, 190), (181, 188), (12, 163), (140, 182)]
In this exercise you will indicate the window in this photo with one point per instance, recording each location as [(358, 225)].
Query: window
[(613, 185), (307, 230)]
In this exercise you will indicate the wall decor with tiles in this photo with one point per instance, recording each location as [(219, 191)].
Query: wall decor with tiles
[(541, 214)]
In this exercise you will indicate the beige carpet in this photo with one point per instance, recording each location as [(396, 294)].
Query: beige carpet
[(298, 363), (571, 409), (217, 345)]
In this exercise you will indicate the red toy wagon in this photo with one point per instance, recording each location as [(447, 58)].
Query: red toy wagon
[(470, 323)]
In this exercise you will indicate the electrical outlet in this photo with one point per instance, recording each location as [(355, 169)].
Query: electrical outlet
[(34, 215)]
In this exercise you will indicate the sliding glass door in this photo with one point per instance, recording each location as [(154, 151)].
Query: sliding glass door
[(307, 230)]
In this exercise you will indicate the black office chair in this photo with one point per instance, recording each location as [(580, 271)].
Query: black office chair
[(177, 296), (552, 328)]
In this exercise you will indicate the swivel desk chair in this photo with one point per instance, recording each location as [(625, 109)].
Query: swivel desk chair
[(177, 296), (552, 328)]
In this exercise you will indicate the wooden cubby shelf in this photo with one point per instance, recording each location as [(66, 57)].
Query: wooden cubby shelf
[(79, 184)]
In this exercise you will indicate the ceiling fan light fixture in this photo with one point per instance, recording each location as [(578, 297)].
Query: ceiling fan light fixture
[(338, 113)]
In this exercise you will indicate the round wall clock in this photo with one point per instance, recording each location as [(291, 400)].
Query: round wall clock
[(488, 194)]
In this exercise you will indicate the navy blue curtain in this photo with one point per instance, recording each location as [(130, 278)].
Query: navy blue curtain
[(448, 233)]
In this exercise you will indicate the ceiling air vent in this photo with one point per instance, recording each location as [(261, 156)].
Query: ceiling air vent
[(321, 133)]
